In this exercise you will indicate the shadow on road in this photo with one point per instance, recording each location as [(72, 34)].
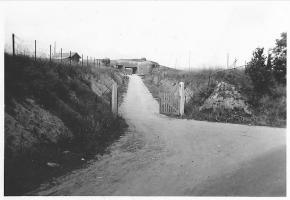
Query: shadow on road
[(262, 176)]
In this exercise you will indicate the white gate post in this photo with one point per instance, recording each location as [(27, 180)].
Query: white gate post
[(181, 98), (114, 100)]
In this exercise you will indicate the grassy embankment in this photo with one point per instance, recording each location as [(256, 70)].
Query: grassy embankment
[(65, 92), (268, 110)]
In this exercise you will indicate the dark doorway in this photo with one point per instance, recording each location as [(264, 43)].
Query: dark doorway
[(119, 66), (134, 70)]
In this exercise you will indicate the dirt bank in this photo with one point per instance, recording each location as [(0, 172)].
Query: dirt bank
[(54, 119), (165, 156)]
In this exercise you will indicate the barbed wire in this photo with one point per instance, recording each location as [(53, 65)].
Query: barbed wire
[(39, 49)]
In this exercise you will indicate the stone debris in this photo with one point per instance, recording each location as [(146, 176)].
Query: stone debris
[(225, 97)]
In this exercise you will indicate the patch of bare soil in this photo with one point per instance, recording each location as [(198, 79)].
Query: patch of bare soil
[(164, 156)]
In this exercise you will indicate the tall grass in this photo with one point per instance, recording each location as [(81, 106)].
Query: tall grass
[(87, 116), (267, 110)]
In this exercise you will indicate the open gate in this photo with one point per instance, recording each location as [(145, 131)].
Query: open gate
[(172, 103)]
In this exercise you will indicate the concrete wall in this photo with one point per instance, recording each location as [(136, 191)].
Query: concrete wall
[(143, 67)]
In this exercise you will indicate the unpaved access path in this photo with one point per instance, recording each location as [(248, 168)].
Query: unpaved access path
[(163, 156)]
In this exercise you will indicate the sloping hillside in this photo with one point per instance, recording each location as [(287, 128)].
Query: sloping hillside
[(57, 116), (199, 90)]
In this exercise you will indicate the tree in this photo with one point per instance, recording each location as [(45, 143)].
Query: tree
[(259, 72), (280, 59)]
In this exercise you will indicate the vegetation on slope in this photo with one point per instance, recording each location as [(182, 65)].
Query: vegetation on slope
[(262, 84), (65, 92)]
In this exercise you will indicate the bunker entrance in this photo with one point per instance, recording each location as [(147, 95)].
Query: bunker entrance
[(131, 70), (134, 70), (120, 66)]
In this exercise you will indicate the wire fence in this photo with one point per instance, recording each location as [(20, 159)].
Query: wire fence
[(42, 50), (38, 50)]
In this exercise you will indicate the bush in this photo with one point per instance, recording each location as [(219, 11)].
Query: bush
[(280, 59), (259, 73)]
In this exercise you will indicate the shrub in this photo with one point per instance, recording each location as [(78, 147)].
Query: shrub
[(280, 59), (259, 73)]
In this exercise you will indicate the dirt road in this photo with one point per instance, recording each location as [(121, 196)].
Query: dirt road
[(164, 156)]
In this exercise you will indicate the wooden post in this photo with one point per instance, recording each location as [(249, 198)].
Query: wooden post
[(60, 54), (114, 99), (13, 44), (49, 53), (181, 98), (35, 50), (82, 60), (69, 57), (94, 62), (87, 61)]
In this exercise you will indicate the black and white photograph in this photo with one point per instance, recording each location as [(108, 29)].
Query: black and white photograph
[(144, 98)]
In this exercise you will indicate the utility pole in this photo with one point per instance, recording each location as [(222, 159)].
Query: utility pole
[(49, 53), (13, 44), (35, 50)]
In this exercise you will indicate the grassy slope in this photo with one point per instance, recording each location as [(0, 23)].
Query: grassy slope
[(89, 119), (269, 110)]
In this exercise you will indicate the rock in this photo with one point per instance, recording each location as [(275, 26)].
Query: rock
[(51, 164), (225, 97)]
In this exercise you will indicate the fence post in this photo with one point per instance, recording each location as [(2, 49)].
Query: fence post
[(61, 55), (49, 53), (114, 99), (181, 102), (69, 57), (82, 60), (13, 44), (35, 50), (87, 61), (208, 82)]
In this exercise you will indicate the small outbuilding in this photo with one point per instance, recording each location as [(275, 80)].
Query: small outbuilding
[(66, 57)]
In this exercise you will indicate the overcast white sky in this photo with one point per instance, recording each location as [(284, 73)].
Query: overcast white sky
[(166, 32)]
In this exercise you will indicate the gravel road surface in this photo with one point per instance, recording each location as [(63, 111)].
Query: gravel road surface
[(164, 156)]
